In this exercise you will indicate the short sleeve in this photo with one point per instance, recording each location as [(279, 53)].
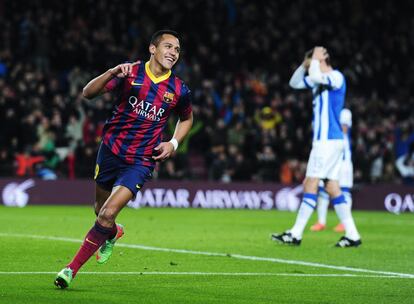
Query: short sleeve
[(184, 104), (335, 79), (113, 84)]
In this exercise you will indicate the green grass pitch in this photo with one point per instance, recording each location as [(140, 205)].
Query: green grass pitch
[(226, 257)]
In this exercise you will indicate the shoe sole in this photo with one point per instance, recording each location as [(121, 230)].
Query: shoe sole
[(275, 239), (61, 283), (350, 246), (118, 236), (317, 227), (100, 261), (282, 242)]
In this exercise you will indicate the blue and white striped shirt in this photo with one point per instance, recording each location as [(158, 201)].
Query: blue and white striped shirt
[(329, 91)]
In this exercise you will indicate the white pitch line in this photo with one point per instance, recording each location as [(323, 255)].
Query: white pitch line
[(250, 274), (236, 256)]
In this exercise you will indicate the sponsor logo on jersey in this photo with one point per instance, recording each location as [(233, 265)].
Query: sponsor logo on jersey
[(146, 109)]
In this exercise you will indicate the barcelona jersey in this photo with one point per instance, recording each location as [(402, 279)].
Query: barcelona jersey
[(144, 103)]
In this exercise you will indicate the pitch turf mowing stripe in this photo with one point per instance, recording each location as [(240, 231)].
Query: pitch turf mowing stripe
[(236, 256), (326, 275)]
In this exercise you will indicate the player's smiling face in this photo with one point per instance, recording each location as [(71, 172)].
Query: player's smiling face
[(167, 52)]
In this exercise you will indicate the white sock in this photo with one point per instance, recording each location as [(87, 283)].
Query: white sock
[(348, 198), (323, 203), (305, 211), (344, 214)]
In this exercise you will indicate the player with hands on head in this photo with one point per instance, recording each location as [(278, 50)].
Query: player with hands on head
[(328, 88)]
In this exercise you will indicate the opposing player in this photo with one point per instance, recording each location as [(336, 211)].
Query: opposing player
[(328, 88), (346, 178), (147, 93)]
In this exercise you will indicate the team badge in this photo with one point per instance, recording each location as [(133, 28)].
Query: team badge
[(168, 97)]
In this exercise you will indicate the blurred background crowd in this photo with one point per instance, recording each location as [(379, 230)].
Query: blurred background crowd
[(237, 58)]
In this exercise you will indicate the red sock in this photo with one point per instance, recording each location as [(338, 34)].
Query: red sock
[(93, 240), (113, 232)]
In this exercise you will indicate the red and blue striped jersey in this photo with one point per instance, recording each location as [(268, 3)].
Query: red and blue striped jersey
[(144, 103)]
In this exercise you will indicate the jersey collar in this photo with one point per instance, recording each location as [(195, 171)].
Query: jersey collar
[(154, 78)]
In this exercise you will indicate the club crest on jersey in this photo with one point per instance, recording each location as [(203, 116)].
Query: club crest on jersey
[(168, 97)]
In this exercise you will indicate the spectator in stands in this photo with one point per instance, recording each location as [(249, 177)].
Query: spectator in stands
[(405, 166), (48, 52)]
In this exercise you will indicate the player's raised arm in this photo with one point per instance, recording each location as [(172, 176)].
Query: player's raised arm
[(98, 85), (298, 81)]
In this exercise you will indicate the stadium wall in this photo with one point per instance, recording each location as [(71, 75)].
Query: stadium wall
[(186, 194)]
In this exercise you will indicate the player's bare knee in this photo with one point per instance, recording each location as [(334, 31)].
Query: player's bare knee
[(97, 208), (107, 216), (333, 189), (310, 185)]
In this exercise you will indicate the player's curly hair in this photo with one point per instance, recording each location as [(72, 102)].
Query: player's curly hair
[(156, 37)]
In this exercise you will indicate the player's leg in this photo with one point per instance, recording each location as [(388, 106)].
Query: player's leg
[(106, 172), (335, 152), (101, 195), (346, 182), (348, 196), (107, 214), (314, 171), (322, 208), (306, 208), (340, 228), (132, 178), (352, 237), (103, 230), (107, 168), (103, 178)]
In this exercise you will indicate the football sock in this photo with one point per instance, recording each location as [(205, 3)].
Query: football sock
[(344, 214), (305, 211), (323, 203), (113, 232), (93, 240), (348, 196)]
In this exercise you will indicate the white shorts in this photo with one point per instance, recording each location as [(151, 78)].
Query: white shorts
[(346, 174), (325, 159)]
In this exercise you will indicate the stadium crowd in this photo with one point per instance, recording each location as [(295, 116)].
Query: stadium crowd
[(237, 58)]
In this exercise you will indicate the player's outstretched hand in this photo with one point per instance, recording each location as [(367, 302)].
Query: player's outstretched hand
[(123, 70), (163, 151)]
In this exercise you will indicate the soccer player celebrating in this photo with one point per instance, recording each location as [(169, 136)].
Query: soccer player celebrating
[(147, 92), (328, 88), (346, 177)]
